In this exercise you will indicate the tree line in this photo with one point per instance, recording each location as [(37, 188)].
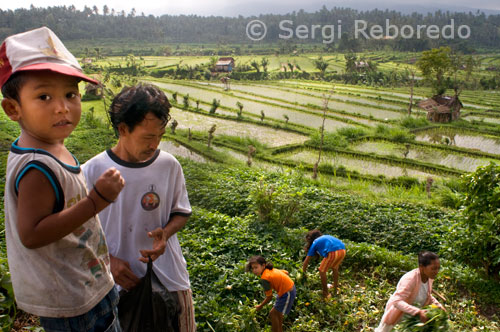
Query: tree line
[(96, 23)]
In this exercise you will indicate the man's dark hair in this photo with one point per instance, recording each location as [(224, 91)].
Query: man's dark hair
[(425, 258), (132, 104), (11, 88)]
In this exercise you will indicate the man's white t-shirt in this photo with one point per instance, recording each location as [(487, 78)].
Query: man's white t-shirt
[(154, 191)]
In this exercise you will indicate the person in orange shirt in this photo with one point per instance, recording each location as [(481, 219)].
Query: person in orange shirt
[(277, 280)]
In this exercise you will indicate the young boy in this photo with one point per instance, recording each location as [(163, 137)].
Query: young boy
[(57, 253)]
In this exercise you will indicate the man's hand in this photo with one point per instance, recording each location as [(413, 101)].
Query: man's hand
[(258, 307), (122, 273), (159, 245)]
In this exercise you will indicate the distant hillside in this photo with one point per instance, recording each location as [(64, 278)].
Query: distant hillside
[(94, 23)]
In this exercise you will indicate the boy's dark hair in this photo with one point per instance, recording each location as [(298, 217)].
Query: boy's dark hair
[(425, 258), (132, 104), (258, 260), (13, 85), (310, 237)]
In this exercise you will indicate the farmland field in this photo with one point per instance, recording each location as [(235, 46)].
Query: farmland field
[(268, 136), (440, 157), (460, 138), (361, 166), (389, 184)]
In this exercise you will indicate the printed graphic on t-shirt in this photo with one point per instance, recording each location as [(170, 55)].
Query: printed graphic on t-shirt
[(150, 200)]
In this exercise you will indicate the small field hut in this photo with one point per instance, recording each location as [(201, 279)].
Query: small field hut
[(225, 65), (441, 108)]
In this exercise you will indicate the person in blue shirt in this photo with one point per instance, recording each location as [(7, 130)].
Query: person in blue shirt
[(333, 252)]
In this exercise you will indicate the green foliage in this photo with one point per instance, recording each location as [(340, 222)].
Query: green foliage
[(395, 134), (410, 122), (447, 197), (330, 139), (351, 133), (321, 65), (84, 143), (185, 101), (476, 238), (276, 203), (240, 109), (7, 304), (404, 227), (405, 181), (90, 121), (215, 105), (434, 65), (437, 320)]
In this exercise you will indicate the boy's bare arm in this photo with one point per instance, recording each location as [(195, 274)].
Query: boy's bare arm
[(38, 226)]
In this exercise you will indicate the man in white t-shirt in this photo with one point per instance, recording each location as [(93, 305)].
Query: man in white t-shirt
[(154, 204)]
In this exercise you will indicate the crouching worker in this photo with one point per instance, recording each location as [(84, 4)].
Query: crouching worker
[(333, 252), (414, 291), (57, 253), (277, 280)]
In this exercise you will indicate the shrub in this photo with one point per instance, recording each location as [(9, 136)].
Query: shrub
[(405, 181), (351, 133), (447, 197), (333, 140), (475, 239), (276, 203), (215, 105), (394, 134), (412, 123)]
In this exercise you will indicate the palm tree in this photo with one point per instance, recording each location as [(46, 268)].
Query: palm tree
[(321, 65), (264, 62), (256, 65)]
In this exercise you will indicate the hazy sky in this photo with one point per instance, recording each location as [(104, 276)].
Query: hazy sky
[(248, 8)]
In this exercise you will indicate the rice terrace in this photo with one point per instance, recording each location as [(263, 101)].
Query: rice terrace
[(391, 145)]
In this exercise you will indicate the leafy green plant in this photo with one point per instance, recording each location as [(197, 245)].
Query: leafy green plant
[(7, 304), (351, 132), (414, 122), (240, 109), (185, 101), (476, 238), (437, 320), (447, 197), (215, 105), (330, 139), (276, 203), (394, 134)]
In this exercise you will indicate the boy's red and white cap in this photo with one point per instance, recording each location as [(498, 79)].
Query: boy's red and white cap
[(38, 49)]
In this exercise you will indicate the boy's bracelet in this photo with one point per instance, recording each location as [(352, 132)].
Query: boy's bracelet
[(93, 203), (100, 195)]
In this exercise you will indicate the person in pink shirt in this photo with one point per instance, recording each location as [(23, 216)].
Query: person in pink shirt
[(413, 292)]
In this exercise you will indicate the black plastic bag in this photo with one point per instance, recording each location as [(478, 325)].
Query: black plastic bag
[(149, 307)]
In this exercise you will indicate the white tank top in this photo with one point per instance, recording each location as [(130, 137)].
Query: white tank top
[(70, 276)]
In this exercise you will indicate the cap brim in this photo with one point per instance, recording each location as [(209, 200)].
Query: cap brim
[(58, 68)]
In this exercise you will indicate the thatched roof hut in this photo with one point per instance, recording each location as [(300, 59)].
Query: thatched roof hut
[(442, 108), (225, 64)]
